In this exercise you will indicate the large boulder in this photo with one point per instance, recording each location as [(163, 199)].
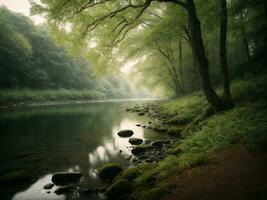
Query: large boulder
[(64, 179), (119, 190), (135, 141), (110, 171), (125, 133)]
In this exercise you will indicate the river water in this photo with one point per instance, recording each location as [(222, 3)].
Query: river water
[(39, 141)]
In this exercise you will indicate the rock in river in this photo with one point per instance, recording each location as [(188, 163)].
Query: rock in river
[(48, 186), (125, 133), (110, 171), (135, 141), (141, 149), (63, 179)]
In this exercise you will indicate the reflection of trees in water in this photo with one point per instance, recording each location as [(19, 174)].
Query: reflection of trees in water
[(68, 137), (49, 139)]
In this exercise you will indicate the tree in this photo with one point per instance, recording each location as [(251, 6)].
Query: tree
[(124, 16), (223, 52)]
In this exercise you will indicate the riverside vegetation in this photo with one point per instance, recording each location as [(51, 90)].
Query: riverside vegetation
[(206, 59), (199, 141)]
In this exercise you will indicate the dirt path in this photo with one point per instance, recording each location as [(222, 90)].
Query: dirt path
[(236, 174)]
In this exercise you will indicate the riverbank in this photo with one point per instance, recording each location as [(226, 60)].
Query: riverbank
[(22, 97), (18, 98), (241, 129)]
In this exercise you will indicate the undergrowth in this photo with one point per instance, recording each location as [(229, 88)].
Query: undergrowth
[(245, 123)]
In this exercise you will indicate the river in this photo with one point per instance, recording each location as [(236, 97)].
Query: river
[(39, 141)]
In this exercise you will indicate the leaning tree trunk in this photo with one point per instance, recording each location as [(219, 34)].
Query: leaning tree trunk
[(223, 53), (200, 57)]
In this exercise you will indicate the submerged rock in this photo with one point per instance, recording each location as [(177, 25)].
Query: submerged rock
[(119, 190), (110, 171), (49, 186), (64, 190), (125, 133), (140, 150), (63, 179), (161, 143), (135, 141)]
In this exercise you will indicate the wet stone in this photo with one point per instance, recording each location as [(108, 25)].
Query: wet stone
[(48, 186)]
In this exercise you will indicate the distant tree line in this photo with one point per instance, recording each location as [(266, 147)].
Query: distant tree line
[(30, 59)]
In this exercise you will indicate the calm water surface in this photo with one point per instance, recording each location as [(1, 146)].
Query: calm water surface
[(39, 141)]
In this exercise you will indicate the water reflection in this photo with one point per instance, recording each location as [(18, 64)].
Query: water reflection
[(39, 193), (45, 140)]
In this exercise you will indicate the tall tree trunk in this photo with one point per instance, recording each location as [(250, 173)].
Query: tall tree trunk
[(181, 64), (245, 40), (200, 57), (223, 52)]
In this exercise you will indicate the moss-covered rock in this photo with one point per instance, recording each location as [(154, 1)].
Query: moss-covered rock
[(159, 143), (120, 189), (174, 131), (160, 129), (110, 171), (130, 173), (140, 149)]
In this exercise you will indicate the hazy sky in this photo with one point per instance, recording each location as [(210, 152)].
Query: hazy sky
[(21, 6)]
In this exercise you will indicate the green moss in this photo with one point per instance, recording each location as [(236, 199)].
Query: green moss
[(130, 173), (174, 131), (119, 190), (176, 149), (147, 178), (167, 166), (110, 171)]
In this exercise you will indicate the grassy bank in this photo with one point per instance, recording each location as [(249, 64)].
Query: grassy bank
[(9, 97), (245, 124)]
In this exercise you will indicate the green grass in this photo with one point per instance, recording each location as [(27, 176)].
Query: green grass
[(185, 109), (246, 123), (8, 97)]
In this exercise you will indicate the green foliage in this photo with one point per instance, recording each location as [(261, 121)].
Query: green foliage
[(31, 60), (186, 108), (174, 131), (26, 96), (130, 173), (246, 123)]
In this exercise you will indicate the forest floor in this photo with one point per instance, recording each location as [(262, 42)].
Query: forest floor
[(222, 157), (235, 173)]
